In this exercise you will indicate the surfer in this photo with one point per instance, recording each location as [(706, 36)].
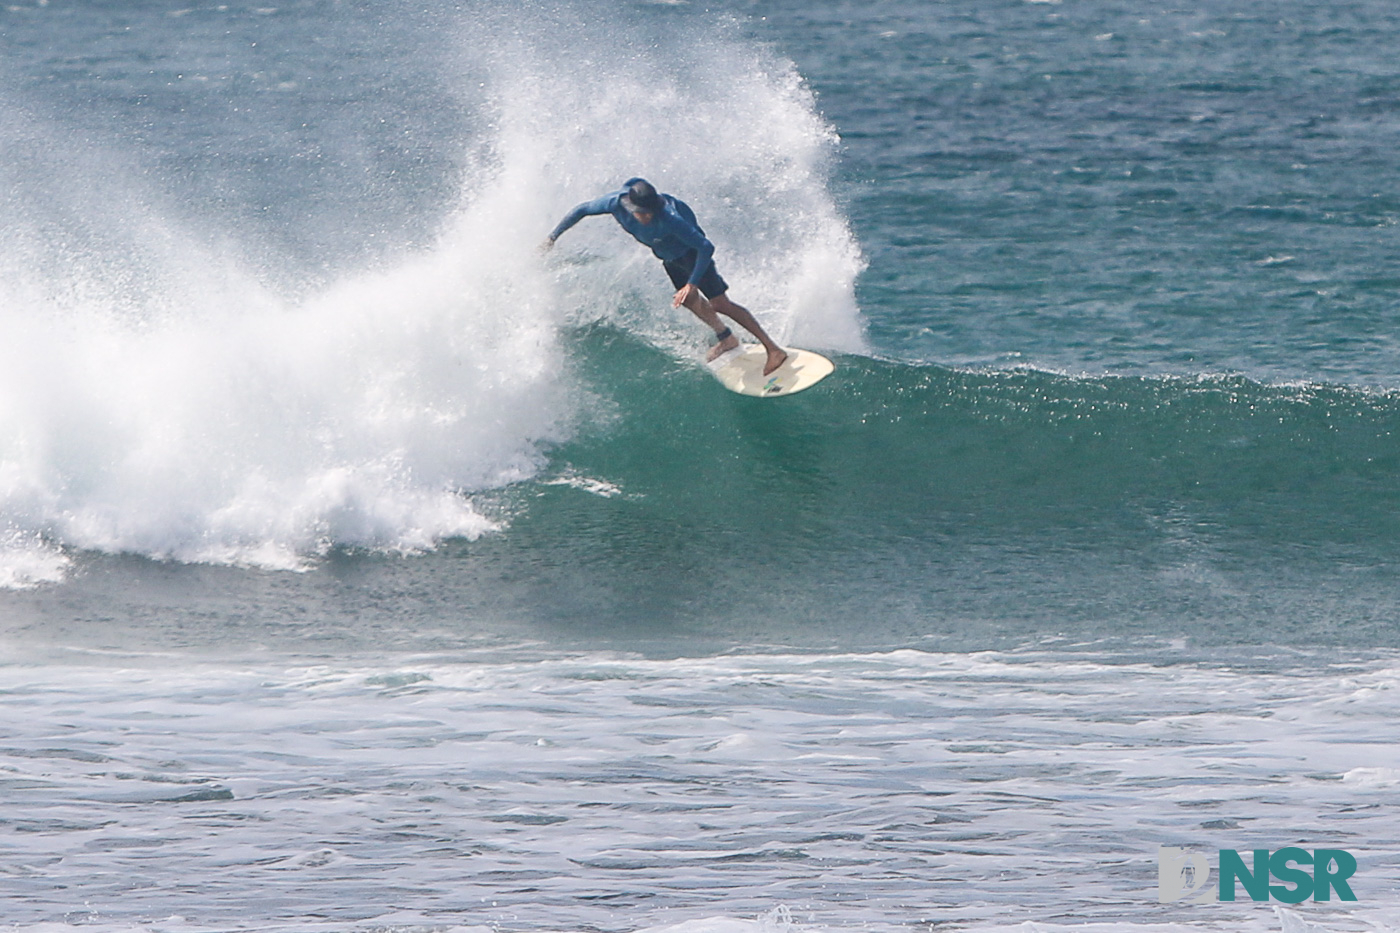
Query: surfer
[(668, 226)]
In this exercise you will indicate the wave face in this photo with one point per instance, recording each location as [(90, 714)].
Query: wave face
[(965, 505), (288, 314)]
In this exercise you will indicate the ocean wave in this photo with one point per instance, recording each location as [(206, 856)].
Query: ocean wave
[(164, 395)]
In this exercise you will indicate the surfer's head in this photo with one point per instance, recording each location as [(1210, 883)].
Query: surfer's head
[(641, 199)]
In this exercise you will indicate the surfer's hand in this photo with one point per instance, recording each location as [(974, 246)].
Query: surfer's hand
[(547, 245), (687, 292)]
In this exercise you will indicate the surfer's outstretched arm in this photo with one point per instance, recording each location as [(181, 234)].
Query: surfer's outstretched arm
[(603, 205)]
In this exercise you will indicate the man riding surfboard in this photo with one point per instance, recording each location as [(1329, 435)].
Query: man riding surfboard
[(668, 226)]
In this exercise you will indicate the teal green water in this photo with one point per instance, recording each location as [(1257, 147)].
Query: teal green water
[(953, 505)]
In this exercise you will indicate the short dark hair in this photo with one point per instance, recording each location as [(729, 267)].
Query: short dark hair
[(642, 196)]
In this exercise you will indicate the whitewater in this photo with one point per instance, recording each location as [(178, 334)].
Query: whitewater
[(366, 569), (879, 792)]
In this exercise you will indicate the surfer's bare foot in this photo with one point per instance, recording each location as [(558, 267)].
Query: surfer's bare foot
[(724, 346), (776, 358)]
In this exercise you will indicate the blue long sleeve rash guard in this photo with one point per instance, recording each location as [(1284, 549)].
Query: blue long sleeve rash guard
[(672, 233)]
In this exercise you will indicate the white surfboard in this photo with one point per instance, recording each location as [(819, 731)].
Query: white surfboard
[(741, 370)]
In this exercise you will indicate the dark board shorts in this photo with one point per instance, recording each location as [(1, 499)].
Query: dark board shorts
[(710, 284)]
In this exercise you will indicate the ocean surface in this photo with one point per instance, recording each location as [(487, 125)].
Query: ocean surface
[(364, 569)]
